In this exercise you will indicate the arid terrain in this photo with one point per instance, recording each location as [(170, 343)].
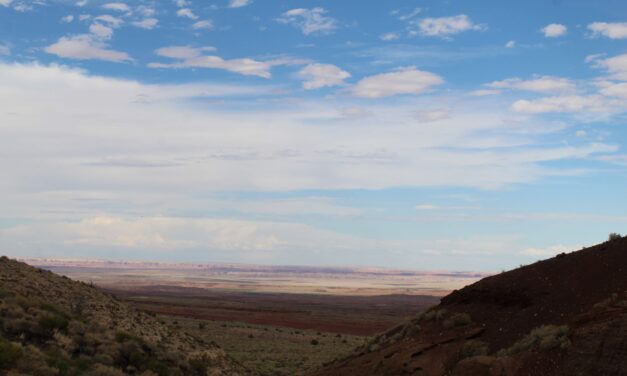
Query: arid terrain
[(339, 300), (277, 320), (563, 316)]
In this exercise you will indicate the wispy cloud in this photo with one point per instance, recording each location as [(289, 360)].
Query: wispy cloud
[(187, 13), (310, 21), (87, 47), (189, 57), (407, 80), (443, 27), (239, 3), (119, 7), (317, 76)]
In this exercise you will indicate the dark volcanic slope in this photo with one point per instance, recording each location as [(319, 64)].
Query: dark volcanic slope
[(562, 316), (51, 325)]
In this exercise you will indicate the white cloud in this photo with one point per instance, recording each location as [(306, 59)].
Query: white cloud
[(354, 112), (426, 207), (119, 7), (485, 92), (389, 36), (309, 21), (203, 25), (567, 103), (510, 44), (613, 89), (101, 31), (182, 3), (108, 19), (186, 12), (6, 3), (444, 26), (427, 116), (409, 15), (194, 58), (182, 52), (147, 23), (23, 7), (616, 66), (317, 76), (612, 30), (539, 84), (239, 3), (216, 149), (407, 80), (4, 50), (146, 11), (81, 3), (554, 30), (67, 19), (581, 133), (86, 47)]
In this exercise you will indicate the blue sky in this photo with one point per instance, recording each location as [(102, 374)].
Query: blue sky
[(459, 135)]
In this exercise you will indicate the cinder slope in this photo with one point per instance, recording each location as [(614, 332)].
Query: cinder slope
[(562, 316), (53, 325)]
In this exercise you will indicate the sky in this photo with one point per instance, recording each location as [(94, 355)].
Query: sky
[(451, 135)]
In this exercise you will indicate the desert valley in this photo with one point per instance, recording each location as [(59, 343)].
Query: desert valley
[(227, 320), (313, 188)]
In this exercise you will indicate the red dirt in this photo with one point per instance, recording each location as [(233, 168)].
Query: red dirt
[(357, 315), (505, 307)]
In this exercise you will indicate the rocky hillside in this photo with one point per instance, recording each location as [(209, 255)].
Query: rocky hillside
[(562, 316), (51, 325)]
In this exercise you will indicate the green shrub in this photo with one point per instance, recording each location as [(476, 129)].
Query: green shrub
[(545, 338), (457, 319), (434, 315), (472, 348), (51, 322), (10, 354)]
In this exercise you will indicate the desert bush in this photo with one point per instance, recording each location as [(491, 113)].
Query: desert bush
[(10, 353), (434, 315), (101, 370), (614, 236), (457, 319), (49, 323), (545, 338), (472, 348)]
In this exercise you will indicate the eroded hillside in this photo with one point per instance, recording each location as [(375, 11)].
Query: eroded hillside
[(562, 316)]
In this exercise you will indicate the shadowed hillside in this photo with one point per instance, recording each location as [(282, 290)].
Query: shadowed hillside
[(51, 325), (562, 316)]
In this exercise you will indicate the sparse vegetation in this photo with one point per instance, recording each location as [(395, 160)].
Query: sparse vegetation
[(101, 338), (544, 338), (434, 315), (614, 236), (274, 352), (472, 348), (457, 319)]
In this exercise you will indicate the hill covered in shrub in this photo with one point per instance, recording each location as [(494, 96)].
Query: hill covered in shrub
[(51, 325)]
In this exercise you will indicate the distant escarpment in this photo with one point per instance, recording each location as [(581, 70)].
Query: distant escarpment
[(51, 325)]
